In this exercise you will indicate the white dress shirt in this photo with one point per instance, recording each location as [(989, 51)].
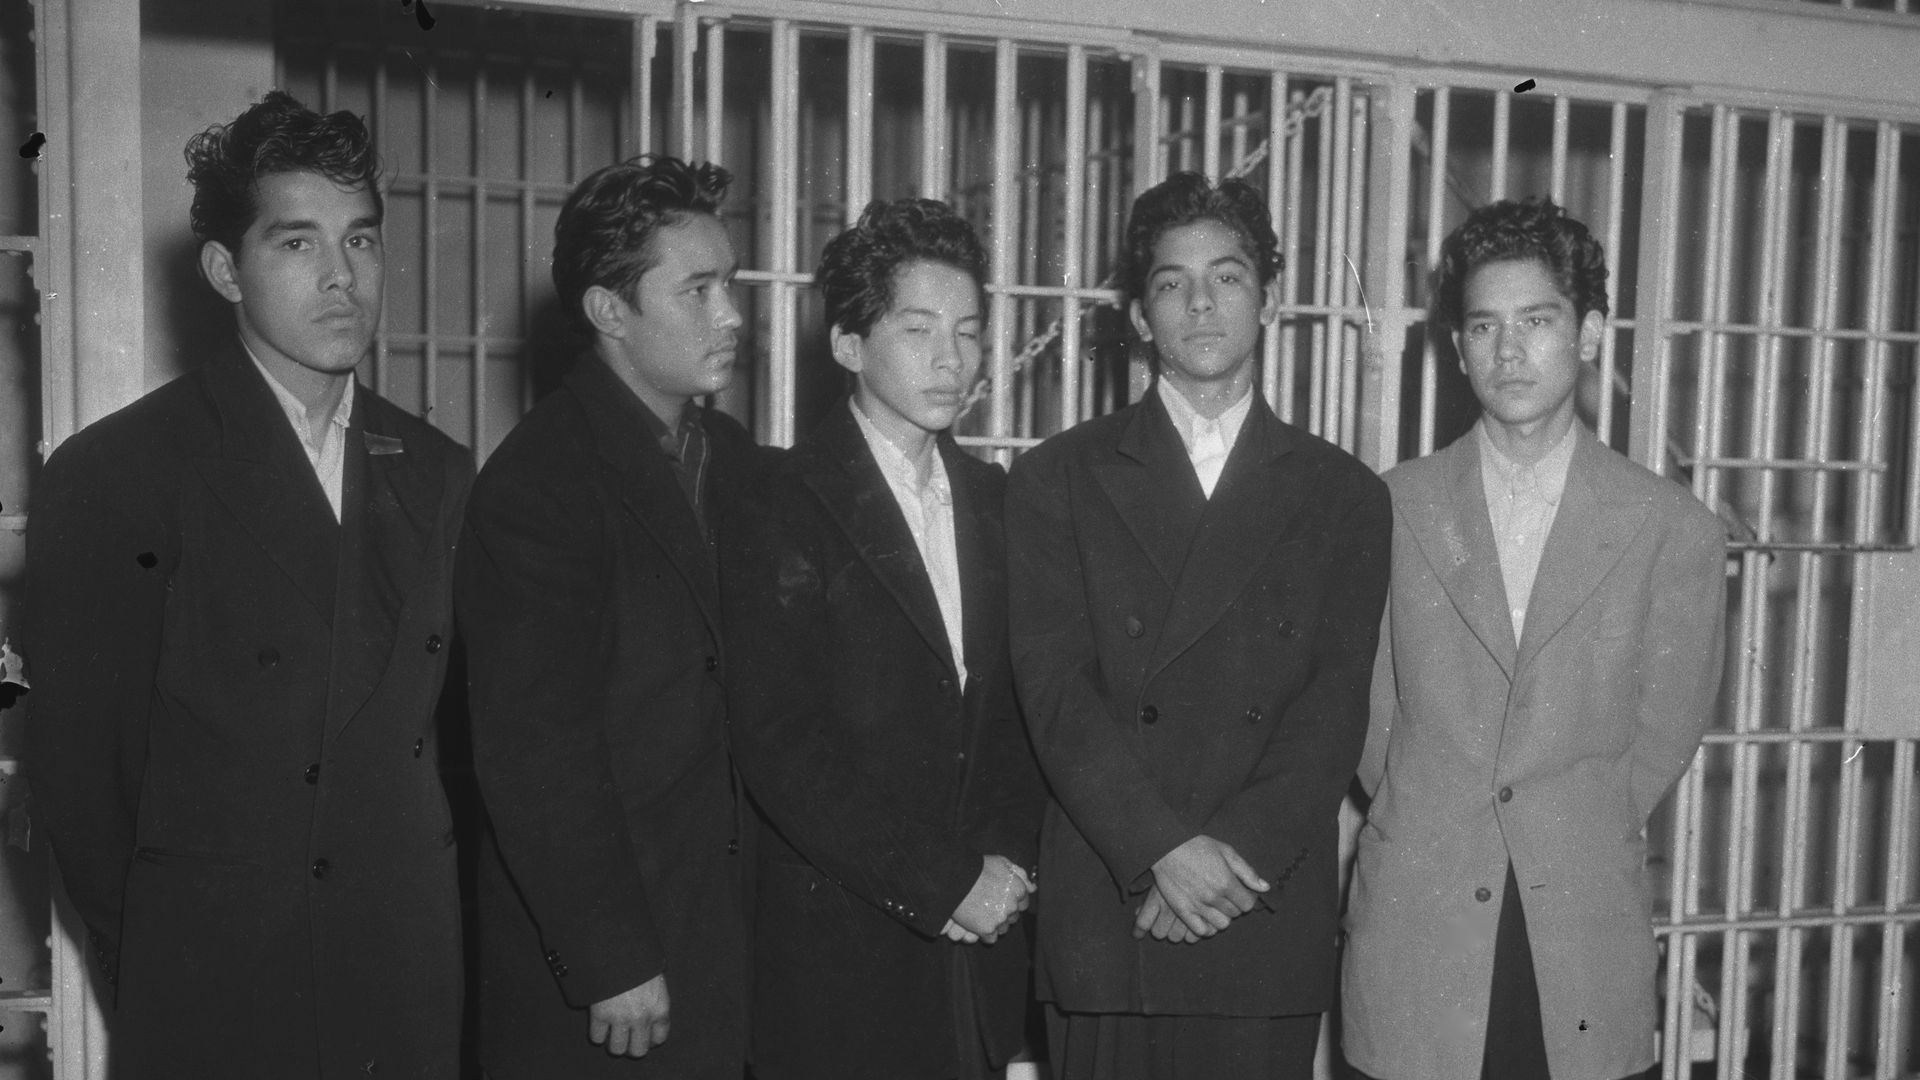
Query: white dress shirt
[(1522, 501), (1208, 441), (928, 509), (328, 456)]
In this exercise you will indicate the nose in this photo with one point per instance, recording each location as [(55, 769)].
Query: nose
[(1506, 343), (946, 352), (727, 313), (339, 270), (1200, 299)]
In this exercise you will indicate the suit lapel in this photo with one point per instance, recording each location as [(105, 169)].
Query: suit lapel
[(839, 468), (1456, 537), (1237, 528), (263, 478), (388, 510), (1590, 533), (650, 493), (1150, 482)]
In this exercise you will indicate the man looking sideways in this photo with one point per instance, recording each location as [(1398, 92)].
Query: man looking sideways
[(610, 901), (1196, 590), (1550, 658)]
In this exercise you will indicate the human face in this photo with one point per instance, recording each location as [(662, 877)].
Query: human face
[(305, 283), (1521, 345), (916, 364), (677, 339), (1203, 309)]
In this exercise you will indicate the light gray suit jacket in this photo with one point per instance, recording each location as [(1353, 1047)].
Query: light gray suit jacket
[(1550, 752)]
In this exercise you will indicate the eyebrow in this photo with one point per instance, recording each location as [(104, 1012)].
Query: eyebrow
[(1545, 305), (305, 225), (1235, 259)]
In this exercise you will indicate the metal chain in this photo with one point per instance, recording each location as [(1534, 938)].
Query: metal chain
[(1312, 106)]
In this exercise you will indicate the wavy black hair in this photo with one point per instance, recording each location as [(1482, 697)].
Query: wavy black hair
[(276, 135), (858, 267), (1187, 197), (605, 232), (1536, 229)]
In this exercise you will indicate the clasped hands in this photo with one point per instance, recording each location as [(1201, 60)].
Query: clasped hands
[(1001, 892), (1198, 889)]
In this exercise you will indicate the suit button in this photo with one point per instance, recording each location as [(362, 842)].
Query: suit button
[(713, 663), (551, 958), (560, 971), (1506, 794), (1254, 715), (1134, 626), (419, 745), (1149, 714), (733, 847), (946, 685), (433, 643), (1285, 628), (320, 868), (313, 773), (268, 657), (1483, 894)]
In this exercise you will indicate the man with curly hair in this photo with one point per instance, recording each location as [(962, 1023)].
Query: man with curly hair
[(611, 927), (1549, 659), (871, 696), (241, 598), (1196, 591)]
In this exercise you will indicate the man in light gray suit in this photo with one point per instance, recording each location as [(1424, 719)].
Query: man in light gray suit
[(1549, 659)]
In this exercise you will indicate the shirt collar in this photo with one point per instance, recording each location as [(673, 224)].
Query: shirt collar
[(1187, 420), (672, 440), (1550, 472), (297, 413), (896, 465)]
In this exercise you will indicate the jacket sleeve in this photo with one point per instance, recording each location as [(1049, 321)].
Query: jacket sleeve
[(531, 595), (1383, 709), (98, 560), (1096, 776), (1291, 799), (1686, 648), (780, 704)]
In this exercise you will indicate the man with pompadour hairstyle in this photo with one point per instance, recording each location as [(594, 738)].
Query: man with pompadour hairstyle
[(240, 596), (1549, 659), (1196, 586), (612, 939)]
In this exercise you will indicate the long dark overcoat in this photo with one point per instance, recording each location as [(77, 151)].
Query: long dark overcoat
[(881, 780), (232, 739), (1193, 666), (590, 607)]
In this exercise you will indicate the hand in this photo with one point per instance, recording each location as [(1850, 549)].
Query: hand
[(1153, 916), (999, 895), (1206, 883), (632, 1023)]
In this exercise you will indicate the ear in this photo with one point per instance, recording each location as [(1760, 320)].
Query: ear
[(847, 351), (218, 266), (1139, 317), (1270, 302), (1591, 328), (1459, 352), (606, 311)]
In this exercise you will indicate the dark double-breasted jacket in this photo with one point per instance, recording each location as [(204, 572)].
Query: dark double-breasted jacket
[(232, 736), (589, 605), (881, 779), (1192, 666)]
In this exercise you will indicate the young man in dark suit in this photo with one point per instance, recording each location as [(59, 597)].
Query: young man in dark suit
[(871, 692), (240, 596), (610, 908), (1196, 590), (1550, 660)]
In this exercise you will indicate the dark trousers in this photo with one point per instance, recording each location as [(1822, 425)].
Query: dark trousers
[(1109, 1046)]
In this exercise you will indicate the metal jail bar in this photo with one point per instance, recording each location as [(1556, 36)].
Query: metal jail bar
[(1709, 371)]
